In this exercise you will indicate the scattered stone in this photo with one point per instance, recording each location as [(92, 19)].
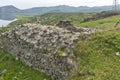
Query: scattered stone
[(3, 72), (16, 58), (68, 25), (117, 53), (15, 78), (20, 73), (87, 79), (64, 23)]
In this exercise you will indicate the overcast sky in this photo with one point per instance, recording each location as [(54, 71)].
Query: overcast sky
[(23, 4)]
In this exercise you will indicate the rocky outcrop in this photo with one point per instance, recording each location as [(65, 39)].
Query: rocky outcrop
[(46, 48)]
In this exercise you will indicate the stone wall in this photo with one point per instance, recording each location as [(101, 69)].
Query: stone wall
[(46, 48), (68, 25)]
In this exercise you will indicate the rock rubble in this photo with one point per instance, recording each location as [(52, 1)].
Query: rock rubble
[(46, 48)]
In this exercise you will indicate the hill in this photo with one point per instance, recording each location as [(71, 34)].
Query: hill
[(104, 18), (9, 12), (97, 55)]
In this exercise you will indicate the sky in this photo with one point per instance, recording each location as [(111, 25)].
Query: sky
[(24, 4)]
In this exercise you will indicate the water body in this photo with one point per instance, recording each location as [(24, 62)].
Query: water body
[(4, 23)]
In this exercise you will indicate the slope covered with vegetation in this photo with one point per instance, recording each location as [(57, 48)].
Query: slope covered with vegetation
[(54, 18), (12, 11), (97, 56)]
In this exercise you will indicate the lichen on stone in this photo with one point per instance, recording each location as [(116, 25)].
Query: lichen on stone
[(45, 48)]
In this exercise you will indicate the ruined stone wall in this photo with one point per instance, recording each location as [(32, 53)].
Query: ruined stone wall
[(68, 25), (46, 48)]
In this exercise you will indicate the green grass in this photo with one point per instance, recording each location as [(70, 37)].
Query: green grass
[(77, 18), (95, 56), (54, 18), (17, 69), (105, 22), (23, 16)]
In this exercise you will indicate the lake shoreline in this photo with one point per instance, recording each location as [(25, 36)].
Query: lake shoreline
[(4, 23)]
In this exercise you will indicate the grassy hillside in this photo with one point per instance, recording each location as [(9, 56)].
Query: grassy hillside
[(105, 22), (78, 19), (54, 18), (97, 56)]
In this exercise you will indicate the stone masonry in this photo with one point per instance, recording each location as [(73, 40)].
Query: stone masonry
[(46, 48)]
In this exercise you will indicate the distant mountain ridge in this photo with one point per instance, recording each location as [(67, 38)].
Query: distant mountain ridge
[(9, 12)]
